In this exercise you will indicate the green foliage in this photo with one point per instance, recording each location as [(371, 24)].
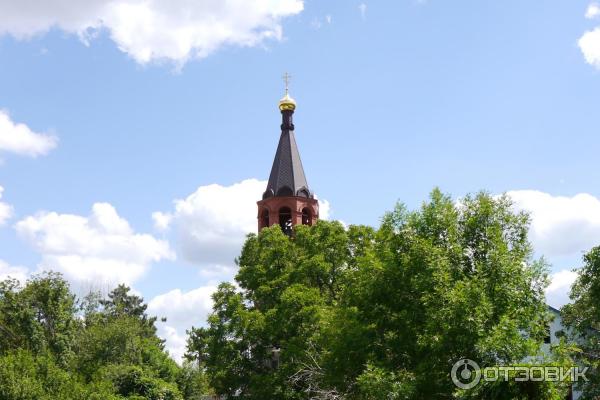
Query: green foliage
[(39, 317), (354, 313), (377, 383), (24, 376), (132, 381), (121, 341), (193, 382), (332, 313), (582, 317), (512, 390), (120, 303), (457, 282), (105, 349)]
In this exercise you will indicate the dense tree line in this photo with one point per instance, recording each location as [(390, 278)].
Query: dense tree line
[(55, 347), (333, 312), (363, 313)]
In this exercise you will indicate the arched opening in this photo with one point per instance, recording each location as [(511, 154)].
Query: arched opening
[(264, 218), (285, 220), (306, 216)]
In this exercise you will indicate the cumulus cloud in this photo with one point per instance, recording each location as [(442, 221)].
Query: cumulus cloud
[(9, 271), (161, 221), (211, 224), (101, 248), (324, 209), (593, 11), (6, 210), (561, 225), (557, 293), (182, 310), (589, 43), (17, 138), (149, 30)]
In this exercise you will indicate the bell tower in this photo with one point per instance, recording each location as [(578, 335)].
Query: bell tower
[(287, 201)]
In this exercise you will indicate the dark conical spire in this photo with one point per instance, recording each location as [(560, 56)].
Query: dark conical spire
[(288, 201), (287, 174)]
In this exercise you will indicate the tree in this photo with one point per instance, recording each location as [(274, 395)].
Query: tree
[(105, 349), (24, 376), (39, 317), (120, 302), (457, 280), (336, 313), (256, 340), (137, 382), (192, 381), (582, 318), (119, 344)]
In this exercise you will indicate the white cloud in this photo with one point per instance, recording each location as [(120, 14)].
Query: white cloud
[(557, 293), (211, 224), (218, 273), (161, 221), (9, 271), (324, 209), (182, 310), (6, 210), (100, 249), (19, 139), (589, 44), (593, 11), (561, 225), (362, 7), (151, 30)]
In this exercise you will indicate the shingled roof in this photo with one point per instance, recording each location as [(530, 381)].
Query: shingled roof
[(287, 174)]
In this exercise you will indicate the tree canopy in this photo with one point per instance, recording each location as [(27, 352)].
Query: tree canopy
[(582, 317), (55, 347), (360, 313), (333, 312)]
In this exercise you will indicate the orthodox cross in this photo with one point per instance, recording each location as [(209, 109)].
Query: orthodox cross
[(286, 79)]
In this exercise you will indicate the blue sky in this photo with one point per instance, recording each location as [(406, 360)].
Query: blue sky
[(131, 113)]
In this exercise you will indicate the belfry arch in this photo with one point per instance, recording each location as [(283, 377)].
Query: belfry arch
[(285, 220), (306, 216), (264, 219)]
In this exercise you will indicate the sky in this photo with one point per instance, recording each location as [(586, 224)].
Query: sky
[(137, 135)]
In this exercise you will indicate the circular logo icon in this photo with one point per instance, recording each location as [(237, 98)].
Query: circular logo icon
[(466, 374)]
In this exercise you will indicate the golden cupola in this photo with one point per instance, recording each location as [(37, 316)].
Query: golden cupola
[(287, 103)]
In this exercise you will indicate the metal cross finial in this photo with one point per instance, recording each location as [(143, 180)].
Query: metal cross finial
[(286, 79)]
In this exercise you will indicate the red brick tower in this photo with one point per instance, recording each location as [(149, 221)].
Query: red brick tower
[(287, 201)]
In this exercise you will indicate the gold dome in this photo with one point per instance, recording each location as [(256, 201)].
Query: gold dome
[(287, 103)]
